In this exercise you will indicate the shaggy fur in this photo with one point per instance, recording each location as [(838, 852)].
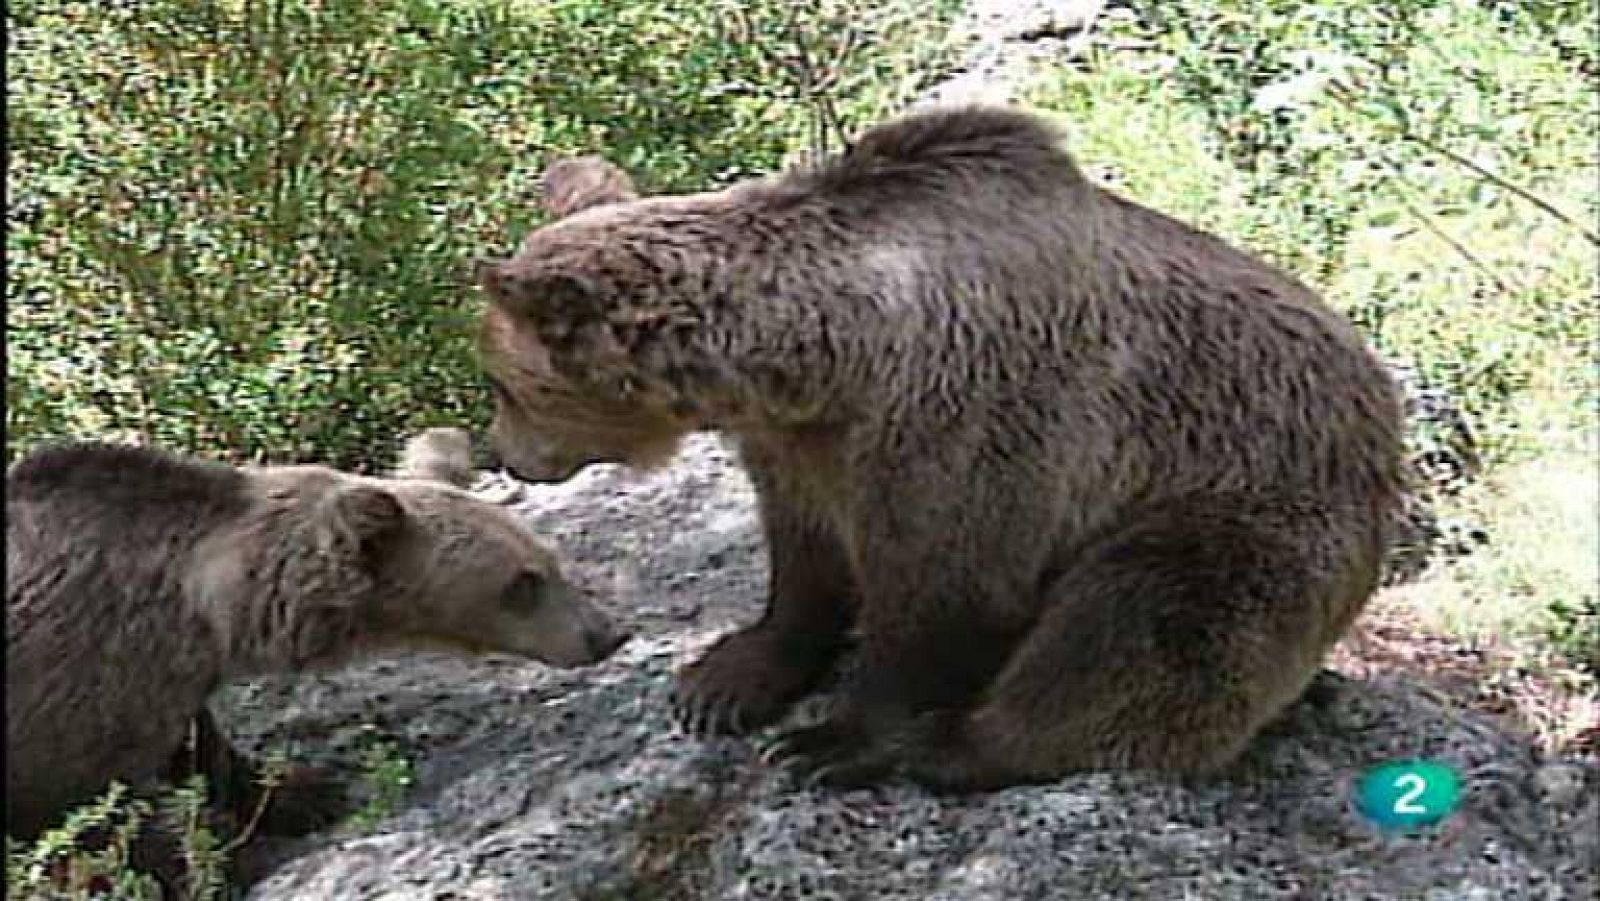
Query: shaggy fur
[(138, 581), (1096, 488), (581, 182), (440, 455)]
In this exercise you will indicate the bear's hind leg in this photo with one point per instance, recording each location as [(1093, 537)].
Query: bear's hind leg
[(1167, 647), (750, 678)]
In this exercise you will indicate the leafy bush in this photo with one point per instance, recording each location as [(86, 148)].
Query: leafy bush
[(90, 855), (387, 776), (243, 228)]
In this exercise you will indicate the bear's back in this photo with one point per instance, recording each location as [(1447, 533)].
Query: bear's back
[(115, 475), (100, 496)]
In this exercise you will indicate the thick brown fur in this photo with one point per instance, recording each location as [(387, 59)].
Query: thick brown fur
[(1096, 489), (138, 581)]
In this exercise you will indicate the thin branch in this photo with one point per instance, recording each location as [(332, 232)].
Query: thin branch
[(1343, 94), (250, 828), (1524, 193), (813, 85), (1395, 183), (822, 100), (834, 73)]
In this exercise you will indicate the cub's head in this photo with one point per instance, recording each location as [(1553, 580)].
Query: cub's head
[(442, 567), (570, 340)]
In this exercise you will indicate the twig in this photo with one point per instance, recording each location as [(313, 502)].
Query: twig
[(799, 72), (820, 97), (1524, 193), (1343, 94), (813, 83), (853, 40), (1428, 222), (249, 830)]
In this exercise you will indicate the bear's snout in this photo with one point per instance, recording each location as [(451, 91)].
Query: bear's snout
[(571, 630)]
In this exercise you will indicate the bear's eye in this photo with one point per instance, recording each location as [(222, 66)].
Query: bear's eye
[(525, 592)]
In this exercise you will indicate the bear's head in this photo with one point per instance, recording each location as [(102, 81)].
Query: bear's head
[(571, 340), (412, 561)]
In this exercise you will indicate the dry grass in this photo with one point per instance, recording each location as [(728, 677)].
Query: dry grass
[(1537, 693)]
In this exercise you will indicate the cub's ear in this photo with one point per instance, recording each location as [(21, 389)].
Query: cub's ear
[(359, 519), (438, 455), (577, 183)]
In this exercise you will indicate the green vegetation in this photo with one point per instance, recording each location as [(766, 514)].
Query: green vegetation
[(57, 866), (1349, 143), (1430, 166), (91, 854), (245, 228), (1540, 573), (387, 776)]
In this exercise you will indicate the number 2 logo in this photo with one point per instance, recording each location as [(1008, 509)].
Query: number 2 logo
[(1408, 795), (1406, 805)]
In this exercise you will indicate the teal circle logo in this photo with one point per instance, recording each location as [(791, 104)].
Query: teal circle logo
[(1408, 795)]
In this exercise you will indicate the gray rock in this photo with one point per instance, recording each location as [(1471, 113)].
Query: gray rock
[(540, 783), (1005, 39)]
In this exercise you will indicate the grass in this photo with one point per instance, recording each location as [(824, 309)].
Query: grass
[(1542, 560)]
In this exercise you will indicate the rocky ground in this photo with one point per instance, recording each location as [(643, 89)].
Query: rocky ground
[(536, 783)]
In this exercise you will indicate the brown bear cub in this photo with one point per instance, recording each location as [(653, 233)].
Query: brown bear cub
[(138, 581), (1097, 490)]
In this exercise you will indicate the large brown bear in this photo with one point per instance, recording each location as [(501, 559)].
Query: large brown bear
[(138, 581), (1096, 489)]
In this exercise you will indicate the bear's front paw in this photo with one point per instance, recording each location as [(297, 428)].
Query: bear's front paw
[(743, 683)]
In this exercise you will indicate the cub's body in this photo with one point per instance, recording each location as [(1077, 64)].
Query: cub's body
[(138, 581)]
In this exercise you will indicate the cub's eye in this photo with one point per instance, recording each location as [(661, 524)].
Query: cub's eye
[(525, 593)]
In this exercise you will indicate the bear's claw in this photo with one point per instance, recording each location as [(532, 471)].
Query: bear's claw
[(833, 753), (930, 750), (720, 714)]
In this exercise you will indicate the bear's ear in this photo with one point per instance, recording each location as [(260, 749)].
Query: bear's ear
[(577, 183), (360, 519), (438, 455), (555, 303)]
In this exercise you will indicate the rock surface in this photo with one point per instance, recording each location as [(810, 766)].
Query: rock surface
[(533, 783), (537, 783)]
